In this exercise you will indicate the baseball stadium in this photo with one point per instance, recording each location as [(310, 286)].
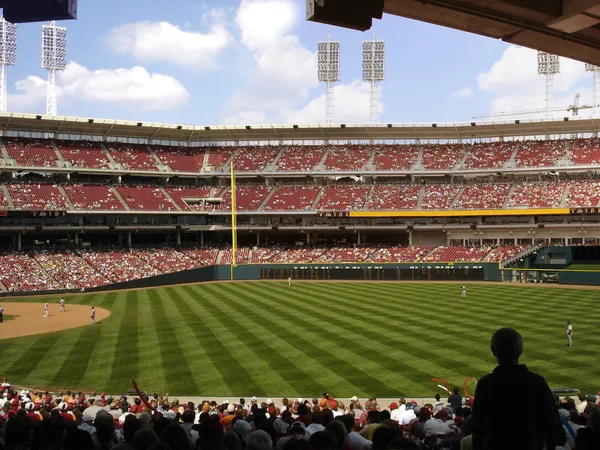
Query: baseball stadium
[(349, 263)]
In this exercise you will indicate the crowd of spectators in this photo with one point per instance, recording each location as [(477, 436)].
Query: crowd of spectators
[(304, 158), (333, 197), (50, 269)]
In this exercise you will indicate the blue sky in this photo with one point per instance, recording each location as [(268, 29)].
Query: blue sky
[(254, 61)]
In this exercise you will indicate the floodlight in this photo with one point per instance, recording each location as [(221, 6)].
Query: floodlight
[(8, 56), (596, 88), (373, 70), (328, 71), (548, 65), (54, 57)]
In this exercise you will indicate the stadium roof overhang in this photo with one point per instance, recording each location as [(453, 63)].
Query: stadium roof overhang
[(569, 28), (330, 132)]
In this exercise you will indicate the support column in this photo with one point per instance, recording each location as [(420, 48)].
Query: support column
[(178, 238), (202, 238), (19, 242), (129, 239), (258, 239), (358, 240)]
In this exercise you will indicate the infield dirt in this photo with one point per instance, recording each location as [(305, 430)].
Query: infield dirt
[(29, 318)]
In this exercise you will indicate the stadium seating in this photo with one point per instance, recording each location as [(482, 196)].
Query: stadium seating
[(540, 153), (292, 198), (537, 195), (37, 197), (254, 159), (300, 159), (145, 198), (190, 199), (340, 255), (166, 260), (84, 154), (180, 159), (32, 152), (132, 156), (297, 255), (489, 155), (439, 196), (483, 196), (395, 157), (20, 272), (202, 256), (392, 197), (583, 193), (217, 157), (347, 158), (457, 254), (248, 198), (400, 254), (442, 157), (69, 270), (343, 198), (585, 152), (241, 256), (119, 266), (505, 252), (92, 197)]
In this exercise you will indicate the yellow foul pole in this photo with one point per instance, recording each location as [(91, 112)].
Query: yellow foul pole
[(233, 225)]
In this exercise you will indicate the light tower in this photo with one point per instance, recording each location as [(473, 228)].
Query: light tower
[(328, 71), (373, 71), (548, 65), (596, 86), (54, 57), (8, 56)]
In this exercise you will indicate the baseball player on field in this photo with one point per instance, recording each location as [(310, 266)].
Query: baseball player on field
[(62, 305), (46, 313), (93, 315)]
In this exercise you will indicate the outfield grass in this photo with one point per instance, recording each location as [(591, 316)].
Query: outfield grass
[(266, 339)]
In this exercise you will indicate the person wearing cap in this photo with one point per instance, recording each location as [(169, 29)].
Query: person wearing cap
[(227, 420), (395, 413), (408, 415), (296, 431), (539, 419)]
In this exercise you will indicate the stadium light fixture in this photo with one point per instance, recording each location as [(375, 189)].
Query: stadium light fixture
[(548, 65), (8, 56), (328, 71), (596, 87), (373, 71), (54, 58)]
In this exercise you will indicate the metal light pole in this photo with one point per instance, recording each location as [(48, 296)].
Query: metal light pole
[(373, 71), (548, 65), (54, 58), (328, 71), (8, 56)]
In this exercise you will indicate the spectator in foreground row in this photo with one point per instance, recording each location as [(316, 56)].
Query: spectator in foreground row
[(540, 422)]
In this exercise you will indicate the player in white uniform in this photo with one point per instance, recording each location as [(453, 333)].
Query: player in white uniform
[(62, 305), (464, 292), (93, 315), (569, 334), (46, 314), (289, 281)]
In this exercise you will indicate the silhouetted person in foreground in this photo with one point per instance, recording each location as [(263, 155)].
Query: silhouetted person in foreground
[(514, 408)]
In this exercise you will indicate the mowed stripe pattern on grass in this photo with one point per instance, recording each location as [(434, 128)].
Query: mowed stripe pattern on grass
[(267, 339)]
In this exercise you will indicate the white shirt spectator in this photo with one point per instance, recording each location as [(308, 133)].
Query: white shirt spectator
[(357, 442), (436, 427), (408, 415)]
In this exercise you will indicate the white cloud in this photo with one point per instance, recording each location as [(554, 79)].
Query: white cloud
[(133, 88), (284, 72), (465, 92), (163, 41), (351, 105), (515, 84)]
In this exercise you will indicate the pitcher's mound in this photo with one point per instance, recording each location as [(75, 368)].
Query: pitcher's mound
[(30, 318)]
